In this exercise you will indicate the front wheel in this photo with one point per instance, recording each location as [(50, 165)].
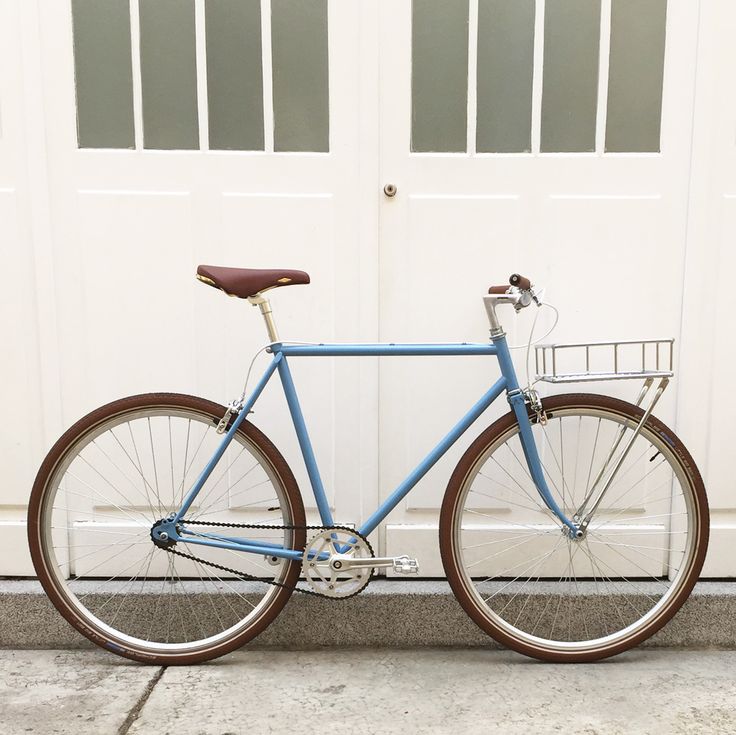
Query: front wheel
[(114, 476), (519, 574)]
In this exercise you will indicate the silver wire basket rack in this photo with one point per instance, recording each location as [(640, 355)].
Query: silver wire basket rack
[(576, 362)]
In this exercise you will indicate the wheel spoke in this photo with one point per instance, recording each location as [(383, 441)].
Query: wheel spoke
[(558, 596), (126, 473)]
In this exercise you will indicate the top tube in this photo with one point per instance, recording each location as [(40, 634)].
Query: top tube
[(384, 349)]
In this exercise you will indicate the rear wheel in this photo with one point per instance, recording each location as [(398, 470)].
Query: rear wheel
[(116, 473), (515, 569)]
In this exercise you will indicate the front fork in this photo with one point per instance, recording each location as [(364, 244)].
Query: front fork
[(517, 399), (578, 525)]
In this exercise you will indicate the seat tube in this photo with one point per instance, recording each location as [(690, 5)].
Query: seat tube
[(305, 443)]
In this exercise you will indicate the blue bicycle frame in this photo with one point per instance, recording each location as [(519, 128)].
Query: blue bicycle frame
[(281, 351)]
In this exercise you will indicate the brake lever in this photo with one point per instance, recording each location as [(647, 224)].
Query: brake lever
[(524, 299), (526, 296)]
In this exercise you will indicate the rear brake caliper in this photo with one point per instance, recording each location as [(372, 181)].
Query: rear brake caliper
[(233, 409)]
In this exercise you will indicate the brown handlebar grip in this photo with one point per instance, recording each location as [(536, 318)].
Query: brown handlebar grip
[(498, 289), (520, 282)]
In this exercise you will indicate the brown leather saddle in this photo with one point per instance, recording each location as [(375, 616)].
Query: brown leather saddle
[(245, 282)]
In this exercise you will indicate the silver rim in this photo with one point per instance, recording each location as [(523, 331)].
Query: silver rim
[(534, 583), (106, 492)]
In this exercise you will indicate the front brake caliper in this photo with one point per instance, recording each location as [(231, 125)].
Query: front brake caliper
[(531, 397)]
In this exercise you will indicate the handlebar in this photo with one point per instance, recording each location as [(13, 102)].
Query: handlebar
[(520, 294), (520, 282)]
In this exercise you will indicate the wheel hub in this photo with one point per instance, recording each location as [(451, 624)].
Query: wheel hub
[(576, 534), (163, 533)]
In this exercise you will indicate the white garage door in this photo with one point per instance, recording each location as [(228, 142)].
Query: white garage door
[(549, 137)]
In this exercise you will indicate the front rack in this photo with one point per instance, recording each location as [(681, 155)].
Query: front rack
[(618, 360), (646, 359)]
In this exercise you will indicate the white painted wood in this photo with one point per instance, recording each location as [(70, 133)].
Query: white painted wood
[(707, 348), (592, 227), (102, 246), (29, 389), (605, 48), (472, 74), (122, 232), (135, 54), (267, 74), (201, 55), (539, 8)]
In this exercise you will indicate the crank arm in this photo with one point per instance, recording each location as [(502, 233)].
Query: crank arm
[(400, 564)]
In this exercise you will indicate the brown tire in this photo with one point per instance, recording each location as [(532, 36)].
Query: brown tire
[(132, 626), (563, 602)]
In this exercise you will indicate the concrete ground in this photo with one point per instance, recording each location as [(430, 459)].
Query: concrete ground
[(389, 614), (368, 691)]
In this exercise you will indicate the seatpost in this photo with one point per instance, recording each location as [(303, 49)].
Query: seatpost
[(265, 306)]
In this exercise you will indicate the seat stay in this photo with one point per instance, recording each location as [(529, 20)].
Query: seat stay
[(229, 435)]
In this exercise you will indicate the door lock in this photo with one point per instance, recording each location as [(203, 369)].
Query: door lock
[(390, 190)]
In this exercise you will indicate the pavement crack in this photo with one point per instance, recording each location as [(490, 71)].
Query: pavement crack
[(138, 706)]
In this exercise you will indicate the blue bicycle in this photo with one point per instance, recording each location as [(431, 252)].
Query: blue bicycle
[(168, 529)]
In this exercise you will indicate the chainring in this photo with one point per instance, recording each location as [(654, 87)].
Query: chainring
[(326, 563)]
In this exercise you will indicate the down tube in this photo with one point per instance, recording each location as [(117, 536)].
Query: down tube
[(431, 459)]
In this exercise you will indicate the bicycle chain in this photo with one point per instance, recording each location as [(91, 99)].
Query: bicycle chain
[(272, 527)]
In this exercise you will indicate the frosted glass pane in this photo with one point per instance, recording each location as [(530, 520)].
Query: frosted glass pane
[(103, 73), (300, 75), (234, 74), (169, 74), (439, 75), (570, 88), (635, 74), (505, 74)]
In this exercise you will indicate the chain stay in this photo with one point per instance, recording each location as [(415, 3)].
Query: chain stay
[(271, 527)]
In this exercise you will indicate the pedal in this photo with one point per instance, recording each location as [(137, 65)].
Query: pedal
[(405, 565)]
